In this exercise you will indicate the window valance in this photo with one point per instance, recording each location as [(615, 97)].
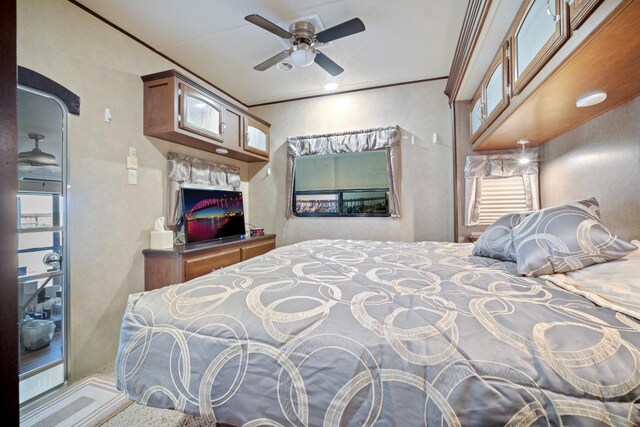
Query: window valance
[(384, 138), (183, 169)]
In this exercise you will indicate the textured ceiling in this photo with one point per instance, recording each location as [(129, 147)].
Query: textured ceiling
[(404, 40)]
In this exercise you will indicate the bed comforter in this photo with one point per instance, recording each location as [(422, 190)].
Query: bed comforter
[(337, 332)]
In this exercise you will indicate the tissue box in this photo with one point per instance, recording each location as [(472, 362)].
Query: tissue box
[(161, 239)]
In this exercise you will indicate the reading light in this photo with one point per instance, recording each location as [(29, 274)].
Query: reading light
[(591, 99), (331, 86), (302, 55), (523, 158)]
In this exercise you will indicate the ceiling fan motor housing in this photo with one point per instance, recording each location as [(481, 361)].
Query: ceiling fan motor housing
[(303, 31)]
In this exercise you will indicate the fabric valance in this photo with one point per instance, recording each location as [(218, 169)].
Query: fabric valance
[(184, 169)]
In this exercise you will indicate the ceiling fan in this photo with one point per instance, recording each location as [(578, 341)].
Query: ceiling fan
[(37, 157), (305, 42)]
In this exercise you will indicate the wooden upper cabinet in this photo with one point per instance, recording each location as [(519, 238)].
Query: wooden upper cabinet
[(476, 115), (539, 31), (199, 113), (256, 137), (180, 110), (580, 11), (492, 97), (495, 86)]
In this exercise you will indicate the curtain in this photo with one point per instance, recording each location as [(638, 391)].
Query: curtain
[(185, 169), (478, 168), (385, 138)]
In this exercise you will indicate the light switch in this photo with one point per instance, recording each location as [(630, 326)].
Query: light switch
[(133, 176), (132, 151), (132, 162)]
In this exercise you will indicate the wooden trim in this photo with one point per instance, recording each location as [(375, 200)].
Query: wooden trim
[(472, 25), (196, 85), (30, 78), (131, 36), (553, 44), (583, 12), (9, 406), (349, 91)]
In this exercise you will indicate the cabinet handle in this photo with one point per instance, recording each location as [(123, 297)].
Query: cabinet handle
[(246, 136), (554, 17), (223, 127)]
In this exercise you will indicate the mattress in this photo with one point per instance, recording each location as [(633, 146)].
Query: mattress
[(340, 332)]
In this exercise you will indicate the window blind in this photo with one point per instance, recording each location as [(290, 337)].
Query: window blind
[(500, 196)]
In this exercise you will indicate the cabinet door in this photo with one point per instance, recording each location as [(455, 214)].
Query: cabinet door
[(476, 117), (256, 137), (580, 11), (199, 113), (257, 249), (232, 128), (541, 28), (495, 87), (204, 264)]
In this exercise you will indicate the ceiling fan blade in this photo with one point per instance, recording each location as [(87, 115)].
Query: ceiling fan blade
[(268, 25), (345, 29), (329, 66), (272, 61)]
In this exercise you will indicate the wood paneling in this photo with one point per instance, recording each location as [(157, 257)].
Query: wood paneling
[(608, 61), (257, 249), (8, 216)]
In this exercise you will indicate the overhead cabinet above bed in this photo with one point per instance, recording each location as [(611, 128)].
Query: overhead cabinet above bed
[(551, 55), (180, 110)]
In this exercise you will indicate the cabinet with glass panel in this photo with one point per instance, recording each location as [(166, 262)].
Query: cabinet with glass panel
[(492, 97), (180, 110)]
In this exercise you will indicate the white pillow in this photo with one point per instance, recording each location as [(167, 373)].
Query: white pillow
[(614, 284)]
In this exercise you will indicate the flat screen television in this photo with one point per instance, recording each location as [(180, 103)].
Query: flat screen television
[(211, 214)]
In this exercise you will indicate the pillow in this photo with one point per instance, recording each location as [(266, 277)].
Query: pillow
[(614, 284), (496, 241), (565, 238)]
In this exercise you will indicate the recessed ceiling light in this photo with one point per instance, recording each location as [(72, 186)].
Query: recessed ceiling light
[(591, 99), (222, 151), (331, 86)]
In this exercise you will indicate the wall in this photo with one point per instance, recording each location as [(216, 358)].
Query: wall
[(420, 109), (601, 158), (108, 219)]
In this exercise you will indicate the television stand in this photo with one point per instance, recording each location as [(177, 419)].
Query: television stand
[(163, 267)]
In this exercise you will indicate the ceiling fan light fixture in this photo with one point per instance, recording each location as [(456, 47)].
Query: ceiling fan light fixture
[(302, 55), (37, 157)]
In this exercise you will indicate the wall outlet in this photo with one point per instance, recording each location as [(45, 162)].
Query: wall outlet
[(132, 151), (132, 177), (132, 162)]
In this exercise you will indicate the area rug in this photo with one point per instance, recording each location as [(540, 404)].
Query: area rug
[(89, 402)]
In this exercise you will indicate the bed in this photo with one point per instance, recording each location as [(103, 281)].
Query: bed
[(342, 332)]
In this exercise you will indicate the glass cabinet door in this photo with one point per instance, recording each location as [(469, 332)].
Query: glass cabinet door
[(540, 32), (256, 137), (495, 87), (200, 114), (476, 116)]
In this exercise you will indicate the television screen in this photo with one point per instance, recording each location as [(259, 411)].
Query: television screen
[(212, 214)]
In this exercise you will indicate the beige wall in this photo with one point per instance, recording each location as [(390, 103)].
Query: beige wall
[(427, 201), (108, 219), (601, 158)]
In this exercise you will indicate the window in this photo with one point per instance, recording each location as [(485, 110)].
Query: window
[(500, 196), (344, 184)]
